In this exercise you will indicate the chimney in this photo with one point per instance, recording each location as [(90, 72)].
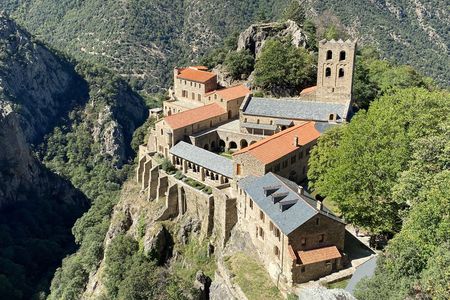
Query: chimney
[(319, 205), (296, 141), (300, 190)]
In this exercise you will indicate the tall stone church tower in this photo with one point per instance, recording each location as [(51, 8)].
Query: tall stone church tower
[(335, 71)]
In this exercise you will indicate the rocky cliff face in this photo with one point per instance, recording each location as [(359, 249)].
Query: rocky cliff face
[(35, 88), (35, 82), (254, 37)]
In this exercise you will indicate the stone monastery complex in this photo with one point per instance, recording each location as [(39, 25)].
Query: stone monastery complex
[(249, 155)]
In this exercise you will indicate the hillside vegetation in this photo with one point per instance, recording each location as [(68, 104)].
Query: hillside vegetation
[(388, 173), (416, 33), (140, 39), (144, 39)]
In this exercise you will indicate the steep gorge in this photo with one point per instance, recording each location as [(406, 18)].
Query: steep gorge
[(43, 94)]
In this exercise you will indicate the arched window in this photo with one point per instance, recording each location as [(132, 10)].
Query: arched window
[(276, 251), (328, 72), (342, 55), (341, 72), (257, 121), (329, 54), (162, 132)]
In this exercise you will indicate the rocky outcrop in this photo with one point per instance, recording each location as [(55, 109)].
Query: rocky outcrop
[(36, 82), (158, 243), (22, 176), (322, 293), (254, 37), (202, 284)]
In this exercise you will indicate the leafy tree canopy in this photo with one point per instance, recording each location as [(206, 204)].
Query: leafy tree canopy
[(282, 68), (360, 164)]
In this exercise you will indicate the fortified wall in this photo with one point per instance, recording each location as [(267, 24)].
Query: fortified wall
[(217, 211)]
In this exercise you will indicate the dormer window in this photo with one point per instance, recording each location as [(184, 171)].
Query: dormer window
[(270, 190), (331, 117), (285, 205), (329, 54), (278, 197)]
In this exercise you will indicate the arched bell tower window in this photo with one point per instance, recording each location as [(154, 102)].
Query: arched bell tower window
[(329, 54), (342, 55), (327, 72), (341, 72)]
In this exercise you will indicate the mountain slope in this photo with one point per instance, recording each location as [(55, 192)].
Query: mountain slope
[(144, 39), (37, 207), (141, 39), (413, 32), (90, 116)]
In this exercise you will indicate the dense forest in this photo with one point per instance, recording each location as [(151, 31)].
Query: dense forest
[(143, 39)]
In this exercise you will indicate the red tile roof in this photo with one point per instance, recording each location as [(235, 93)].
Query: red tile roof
[(195, 115), (193, 74), (281, 143), (308, 90), (318, 255), (233, 92)]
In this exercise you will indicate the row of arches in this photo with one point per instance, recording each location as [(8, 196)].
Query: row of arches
[(342, 55), (341, 72), (222, 145)]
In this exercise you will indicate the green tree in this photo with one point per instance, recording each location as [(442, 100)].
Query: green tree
[(239, 63), (118, 261), (295, 12), (416, 262), (360, 167), (282, 68)]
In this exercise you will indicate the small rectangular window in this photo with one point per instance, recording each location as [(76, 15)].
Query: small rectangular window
[(271, 226), (261, 216), (303, 240), (321, 238), (251, 203), (293, 159), (303, 269)]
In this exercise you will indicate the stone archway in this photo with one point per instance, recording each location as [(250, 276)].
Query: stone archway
[(244, 143), (206, 147), (232, 145), (222, 145), (252, 142)]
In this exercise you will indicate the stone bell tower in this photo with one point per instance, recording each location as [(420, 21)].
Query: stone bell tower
[(335, 71)]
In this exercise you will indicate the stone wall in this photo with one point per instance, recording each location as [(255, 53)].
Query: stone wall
[(195, 203), (334, 234), (225, 213)]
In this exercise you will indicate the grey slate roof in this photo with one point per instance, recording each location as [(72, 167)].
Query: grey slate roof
[(295, 109), (366, 269), (322, 127), (204, 158), (259, 126), (290, 219)]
